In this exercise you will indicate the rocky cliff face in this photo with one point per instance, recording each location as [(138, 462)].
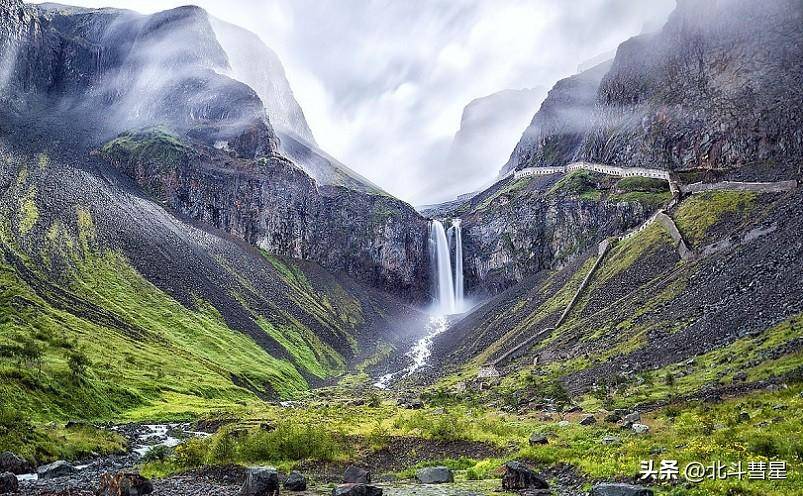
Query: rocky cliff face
[(273, 204), (556, 132), (525, 226), (719, 87), (205, 146), (123, 70)]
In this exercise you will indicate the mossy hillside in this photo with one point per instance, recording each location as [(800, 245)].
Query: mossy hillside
[(695, 216), (143, 348)]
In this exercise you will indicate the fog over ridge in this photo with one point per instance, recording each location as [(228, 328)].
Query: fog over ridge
[(383, 83)]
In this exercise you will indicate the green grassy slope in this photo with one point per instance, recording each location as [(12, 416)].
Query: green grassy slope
[(83, 334)]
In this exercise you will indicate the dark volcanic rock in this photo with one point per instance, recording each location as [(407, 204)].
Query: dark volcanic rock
[(276, 206), (56, 469), (356, 490), (8, 483), (10, 462), (620, 490), (260, 482), (537, 438), (124, 484), (434, 475), (719, 87), (556, 132), (295, 481), (518, 476), (355, 474)]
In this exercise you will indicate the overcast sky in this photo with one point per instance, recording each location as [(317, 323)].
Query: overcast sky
[(383, 82)]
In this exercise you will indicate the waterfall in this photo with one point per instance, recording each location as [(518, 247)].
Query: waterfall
[(449, 285), (443, 268), (458, 265)]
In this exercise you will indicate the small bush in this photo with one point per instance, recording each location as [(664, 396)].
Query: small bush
[(191, 453), (290, 441), (157, 454)]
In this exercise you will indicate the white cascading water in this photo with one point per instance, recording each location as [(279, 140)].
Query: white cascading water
[(443, 270), (458, 265)]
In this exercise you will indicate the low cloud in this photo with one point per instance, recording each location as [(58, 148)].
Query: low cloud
[(383, 83)]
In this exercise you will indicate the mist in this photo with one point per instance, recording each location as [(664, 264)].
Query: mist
[(383, 84)]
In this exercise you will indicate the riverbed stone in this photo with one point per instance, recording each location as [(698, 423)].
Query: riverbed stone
[(620, 490), (356, 489), (518, 476), (260, 481), (11, 462), (295, 481), (356, 475), (125, 483), (434, 475), (8, 483), (56, 469)]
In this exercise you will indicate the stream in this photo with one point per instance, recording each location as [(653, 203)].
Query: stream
[(418, 354)]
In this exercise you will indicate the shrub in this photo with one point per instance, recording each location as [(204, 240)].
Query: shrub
[(191, 453), (290, 441), (157, 454)]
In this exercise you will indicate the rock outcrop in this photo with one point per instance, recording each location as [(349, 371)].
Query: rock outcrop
[(719, 87), (276, 206)]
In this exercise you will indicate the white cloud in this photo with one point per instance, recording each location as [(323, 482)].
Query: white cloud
[(383, 82)]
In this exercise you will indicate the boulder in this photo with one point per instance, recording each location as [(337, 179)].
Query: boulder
[(631, 418), (537, 438), (620, 490), (356, 475), (9, 462), (295, 481), (260, 481), (434, 475), (640, 428), (8, 483), (124, 484), (356, 490), (588, 420), (519, 476), (55, 469)]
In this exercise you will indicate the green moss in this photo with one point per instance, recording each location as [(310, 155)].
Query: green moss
[(650, 199), (307, 350), (148, 354), (580, 183), (28, 212), (643, 184), (696, 215), (156, 145)]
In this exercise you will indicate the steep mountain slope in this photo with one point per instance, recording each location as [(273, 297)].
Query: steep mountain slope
[(712, 96), (324, 168), (521, 226), (729, 315), (555, 133)]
